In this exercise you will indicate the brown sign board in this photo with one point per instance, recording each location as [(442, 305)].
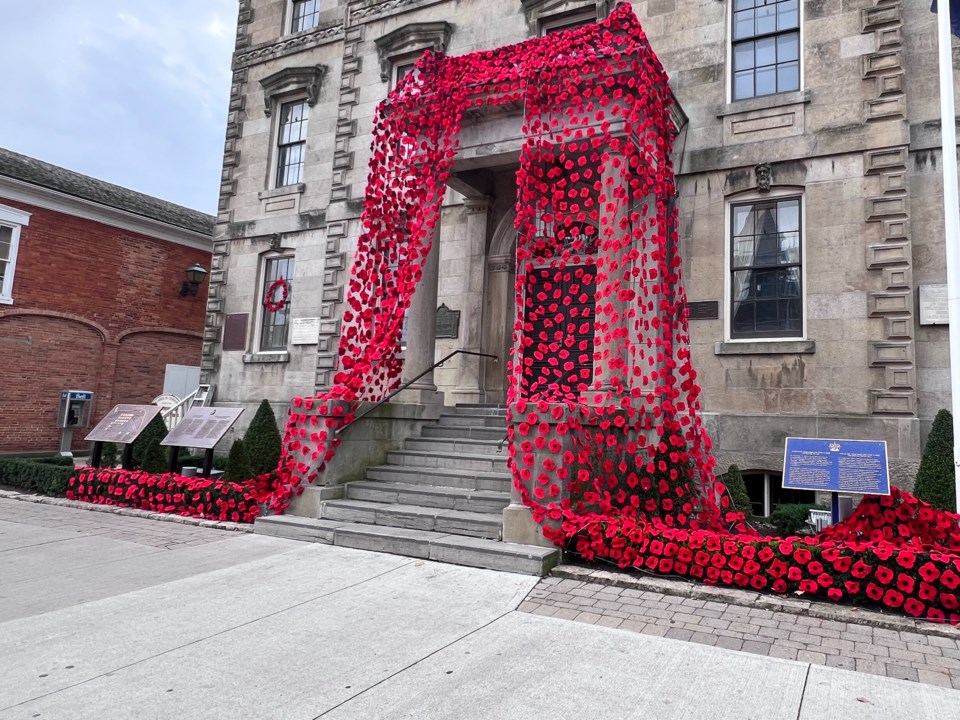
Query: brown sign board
[(202, 427), (123, 424)]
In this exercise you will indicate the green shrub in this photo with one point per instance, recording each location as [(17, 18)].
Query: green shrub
[(936, 478), (110, 455), (47, 476), (262, 440), (238, 464), (738, 491), (145, 455), (790, 518)]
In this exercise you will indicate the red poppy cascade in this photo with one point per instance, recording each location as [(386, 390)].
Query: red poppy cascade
[(607, 445), (270, 301)]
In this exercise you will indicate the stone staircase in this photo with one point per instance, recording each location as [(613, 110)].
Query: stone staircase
[(440, 497)]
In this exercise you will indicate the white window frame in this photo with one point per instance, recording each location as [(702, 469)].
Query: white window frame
[(260, 315), (729, 56), (757, 197), (288, 19), (15, 220)]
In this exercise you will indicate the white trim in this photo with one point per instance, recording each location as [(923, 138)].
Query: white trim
[(14, 219), (88, 210), (754, 197), (728, 59)]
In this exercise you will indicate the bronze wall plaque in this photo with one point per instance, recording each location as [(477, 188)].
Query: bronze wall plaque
[(202, 427), (448, 322), (704, 310), (235, 332), (123, 424)]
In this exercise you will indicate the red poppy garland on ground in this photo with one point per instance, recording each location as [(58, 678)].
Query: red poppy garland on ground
[(170, 493)]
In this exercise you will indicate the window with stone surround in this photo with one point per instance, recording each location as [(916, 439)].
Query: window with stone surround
[(291, 143), (305, 15), (275, 326), (766, 278), (567, 21), (765, 47), (11, 220)]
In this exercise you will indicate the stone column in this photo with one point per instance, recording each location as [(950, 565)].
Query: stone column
[(498, 324), (470, 384), (421, 331)]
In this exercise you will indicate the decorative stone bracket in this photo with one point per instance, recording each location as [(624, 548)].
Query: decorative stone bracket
[(293, 79)]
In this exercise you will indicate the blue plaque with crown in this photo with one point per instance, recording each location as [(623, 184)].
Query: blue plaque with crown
[(844, 466)]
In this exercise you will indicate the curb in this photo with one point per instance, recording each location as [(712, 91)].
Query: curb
[(127, 512), (761, 601)]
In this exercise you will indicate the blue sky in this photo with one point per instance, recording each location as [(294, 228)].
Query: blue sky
[(130, 92)]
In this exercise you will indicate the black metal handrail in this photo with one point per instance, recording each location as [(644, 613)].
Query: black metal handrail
[(408, 383)]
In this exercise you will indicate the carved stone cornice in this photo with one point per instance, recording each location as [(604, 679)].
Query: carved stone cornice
[(291, 79), (411, 38), (288, 45)]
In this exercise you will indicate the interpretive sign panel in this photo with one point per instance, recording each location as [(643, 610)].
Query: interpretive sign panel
[(123, 424), (847, 466), (202, 427)]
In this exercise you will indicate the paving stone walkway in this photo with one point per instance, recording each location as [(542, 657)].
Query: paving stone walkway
[(114, 525), (909, 655)]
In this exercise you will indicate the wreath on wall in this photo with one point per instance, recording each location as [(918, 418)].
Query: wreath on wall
[(270, 301)]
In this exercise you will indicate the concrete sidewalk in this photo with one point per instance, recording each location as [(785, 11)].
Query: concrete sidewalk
[(245, 626)]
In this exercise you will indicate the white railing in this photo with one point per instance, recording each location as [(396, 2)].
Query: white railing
[(173, 414)]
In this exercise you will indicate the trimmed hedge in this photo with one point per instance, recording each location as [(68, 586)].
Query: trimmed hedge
[(46, 476), (262, 441)]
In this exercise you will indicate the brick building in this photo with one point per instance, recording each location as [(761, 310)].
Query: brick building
[(90, 275), (809, 193)]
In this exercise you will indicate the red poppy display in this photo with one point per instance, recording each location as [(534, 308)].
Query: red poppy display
[(270, 301)]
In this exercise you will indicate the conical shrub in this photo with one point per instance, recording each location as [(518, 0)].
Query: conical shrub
[(238, 463), (148, 454), (738, 491), (936, 478), (262, 441)]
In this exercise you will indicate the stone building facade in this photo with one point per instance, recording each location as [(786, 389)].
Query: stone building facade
[(90, 275), (809, 194)]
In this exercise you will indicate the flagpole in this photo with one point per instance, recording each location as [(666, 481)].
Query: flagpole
[(951, 219)]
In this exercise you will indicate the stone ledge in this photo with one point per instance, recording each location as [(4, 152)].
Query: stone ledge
[(777, 347), (765, 102), (298, 189), (128, 512), (280, 357), (747, 598)]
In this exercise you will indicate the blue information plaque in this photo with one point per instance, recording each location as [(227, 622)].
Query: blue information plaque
[(846, 466)]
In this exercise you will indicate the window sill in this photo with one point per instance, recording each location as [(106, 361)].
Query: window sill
[(6, 300), (297, 189), (266, 358), (766, 102), (766, 347)]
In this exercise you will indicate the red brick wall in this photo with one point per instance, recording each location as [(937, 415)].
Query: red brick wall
[(111, 279)]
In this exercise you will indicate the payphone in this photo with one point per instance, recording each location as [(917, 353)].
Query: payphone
[(76, 407)]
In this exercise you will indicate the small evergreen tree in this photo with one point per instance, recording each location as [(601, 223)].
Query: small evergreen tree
[(109, 455), (262, 441), (148, 454), (738, 491), (238, 464), (936, 478)]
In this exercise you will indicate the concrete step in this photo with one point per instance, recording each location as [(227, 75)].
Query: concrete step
[(478, 501), (414, 517), (456, 549), (448, 461), (472, 409), (471, 432), (456, 446), (472, 420), (441, 477)]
